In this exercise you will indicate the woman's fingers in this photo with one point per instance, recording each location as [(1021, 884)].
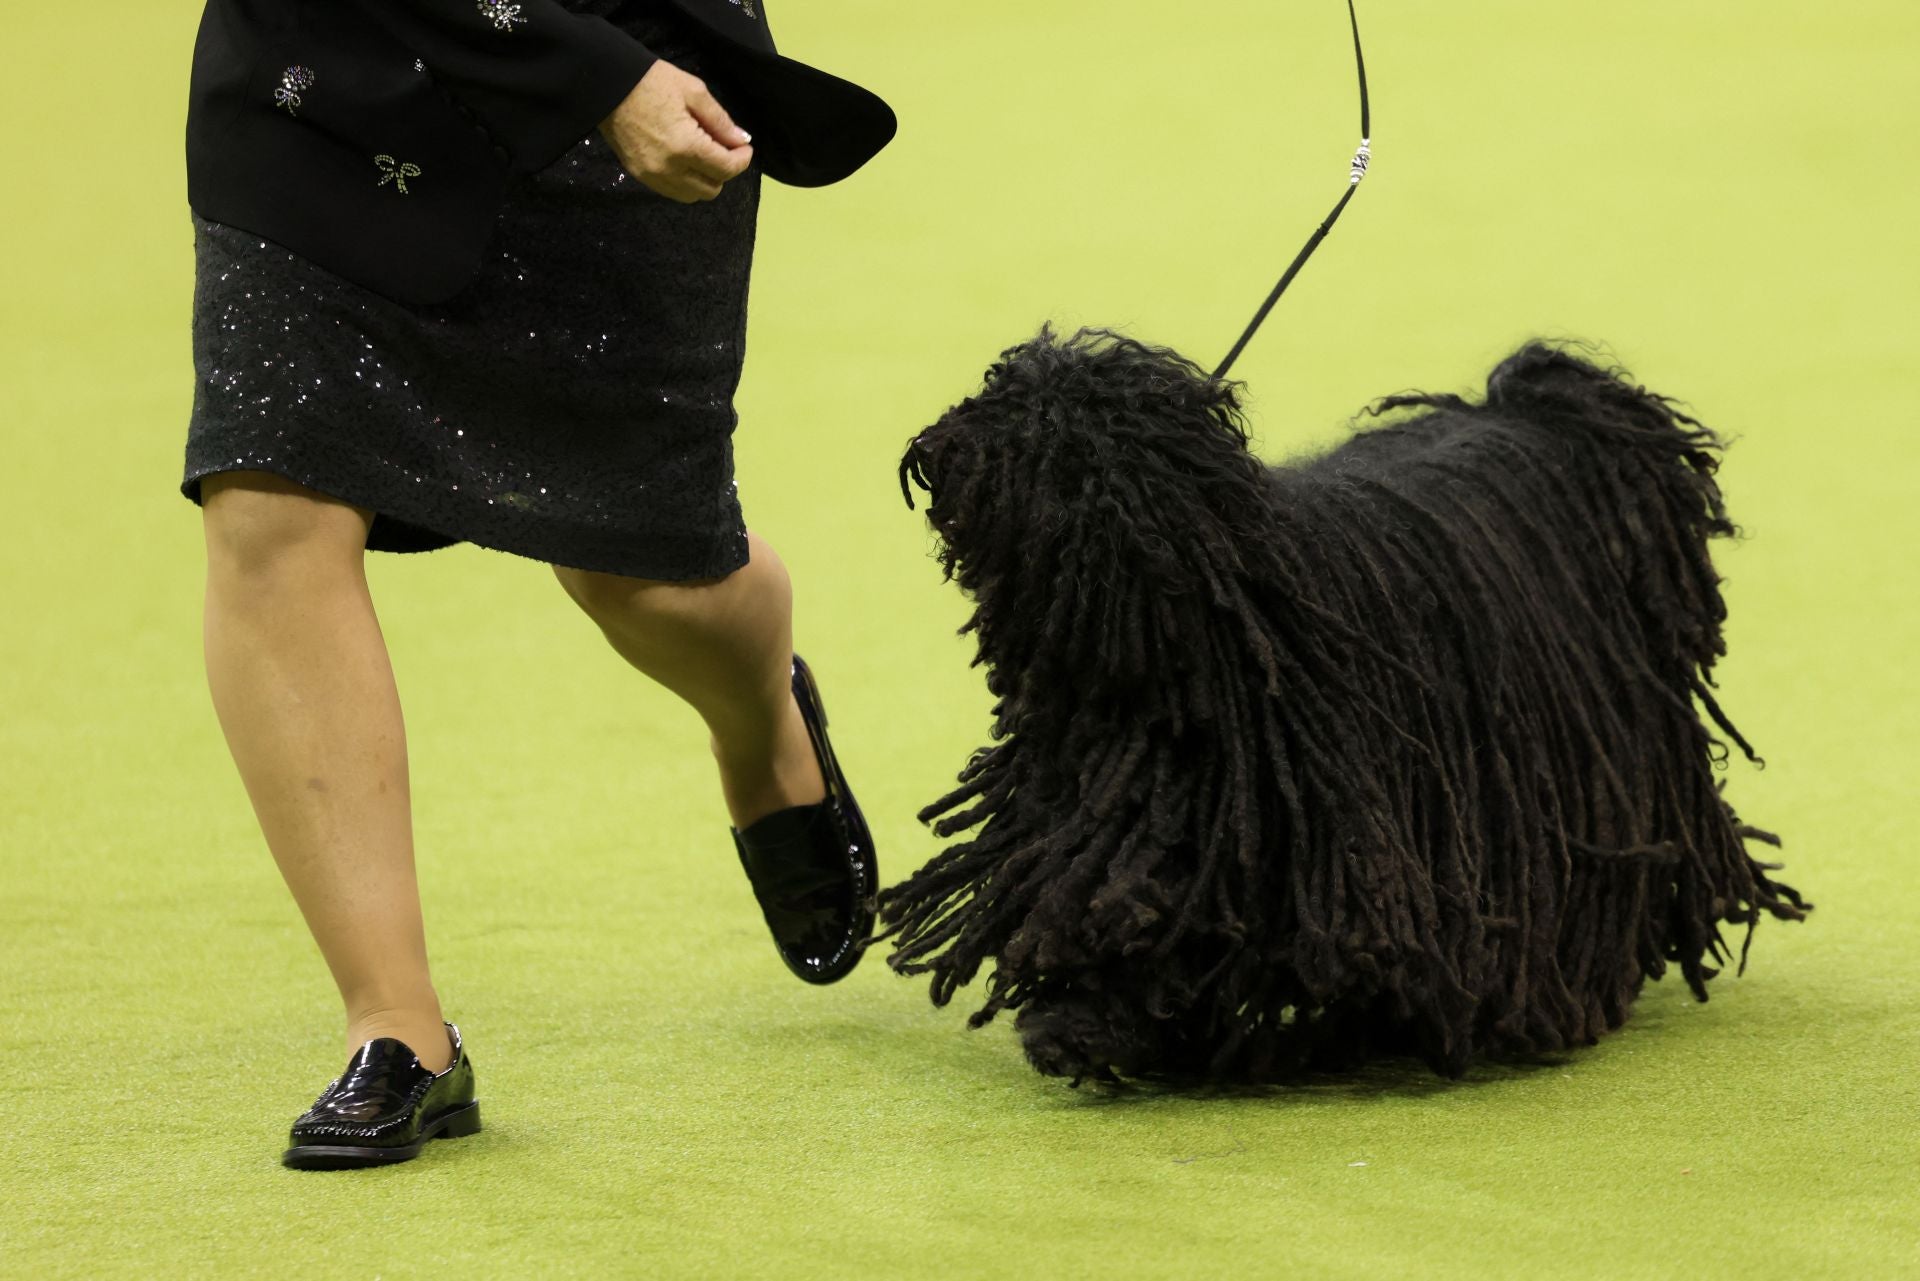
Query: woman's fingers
[(713, 117), (673, 137), (702, 155)]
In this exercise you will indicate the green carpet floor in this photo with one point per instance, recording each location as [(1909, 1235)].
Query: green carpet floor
[(1720, 191)]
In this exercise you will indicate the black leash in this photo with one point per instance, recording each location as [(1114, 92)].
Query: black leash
[(1357, 172)]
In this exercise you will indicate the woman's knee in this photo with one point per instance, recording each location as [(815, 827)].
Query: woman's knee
[(258, 523), (659, 614), (639, 605)]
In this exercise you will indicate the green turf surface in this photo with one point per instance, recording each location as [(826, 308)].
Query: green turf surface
[(1719, 190)]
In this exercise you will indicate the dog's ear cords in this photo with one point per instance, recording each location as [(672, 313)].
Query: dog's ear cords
[(1355, 172)]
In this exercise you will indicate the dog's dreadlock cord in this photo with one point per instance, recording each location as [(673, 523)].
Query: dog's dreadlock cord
[(1355, 173), (1394, 750)]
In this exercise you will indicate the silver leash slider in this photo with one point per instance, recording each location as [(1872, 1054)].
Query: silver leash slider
[(1360, 161)]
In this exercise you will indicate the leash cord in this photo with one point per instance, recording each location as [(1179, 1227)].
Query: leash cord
[(1356, 171)]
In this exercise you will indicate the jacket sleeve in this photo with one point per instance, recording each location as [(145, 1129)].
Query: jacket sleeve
[(534, 76)]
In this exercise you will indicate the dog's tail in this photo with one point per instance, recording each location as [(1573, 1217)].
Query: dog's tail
[(1639, 473)]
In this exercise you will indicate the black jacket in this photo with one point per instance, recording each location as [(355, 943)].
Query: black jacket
[(376, 137)]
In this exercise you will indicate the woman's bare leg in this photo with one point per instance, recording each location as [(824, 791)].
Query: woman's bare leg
[(726, 647), (305, 694)]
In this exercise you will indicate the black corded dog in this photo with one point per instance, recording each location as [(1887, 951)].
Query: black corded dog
[(1395, 750)]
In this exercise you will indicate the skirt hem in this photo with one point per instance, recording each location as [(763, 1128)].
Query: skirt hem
[(394, 530)]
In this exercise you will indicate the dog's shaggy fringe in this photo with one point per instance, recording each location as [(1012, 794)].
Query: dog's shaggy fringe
[(1395, 750)]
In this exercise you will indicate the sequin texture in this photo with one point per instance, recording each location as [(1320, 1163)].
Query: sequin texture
[(573, 405)]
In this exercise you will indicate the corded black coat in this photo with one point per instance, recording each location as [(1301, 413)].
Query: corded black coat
[(376, 137)]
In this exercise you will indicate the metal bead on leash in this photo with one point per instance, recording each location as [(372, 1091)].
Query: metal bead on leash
[(1356, 170)]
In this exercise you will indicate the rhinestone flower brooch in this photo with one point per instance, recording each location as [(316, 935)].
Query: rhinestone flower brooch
[(293, 82), (501, 13)]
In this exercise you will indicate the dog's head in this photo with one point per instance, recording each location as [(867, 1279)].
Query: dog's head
[(1089, 476)]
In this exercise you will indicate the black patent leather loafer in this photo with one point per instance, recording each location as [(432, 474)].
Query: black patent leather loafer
[(384, 1108), (813, 867)]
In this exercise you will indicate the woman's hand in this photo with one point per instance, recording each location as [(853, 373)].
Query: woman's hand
[(671, 135)]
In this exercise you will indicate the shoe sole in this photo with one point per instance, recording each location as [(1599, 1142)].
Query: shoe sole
[(868, 865), (456, 1123)]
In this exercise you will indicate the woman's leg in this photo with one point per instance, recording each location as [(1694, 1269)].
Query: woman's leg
[(305, 694), (726, 647)]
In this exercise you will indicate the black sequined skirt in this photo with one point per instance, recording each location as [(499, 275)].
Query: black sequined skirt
[(573, 405)]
